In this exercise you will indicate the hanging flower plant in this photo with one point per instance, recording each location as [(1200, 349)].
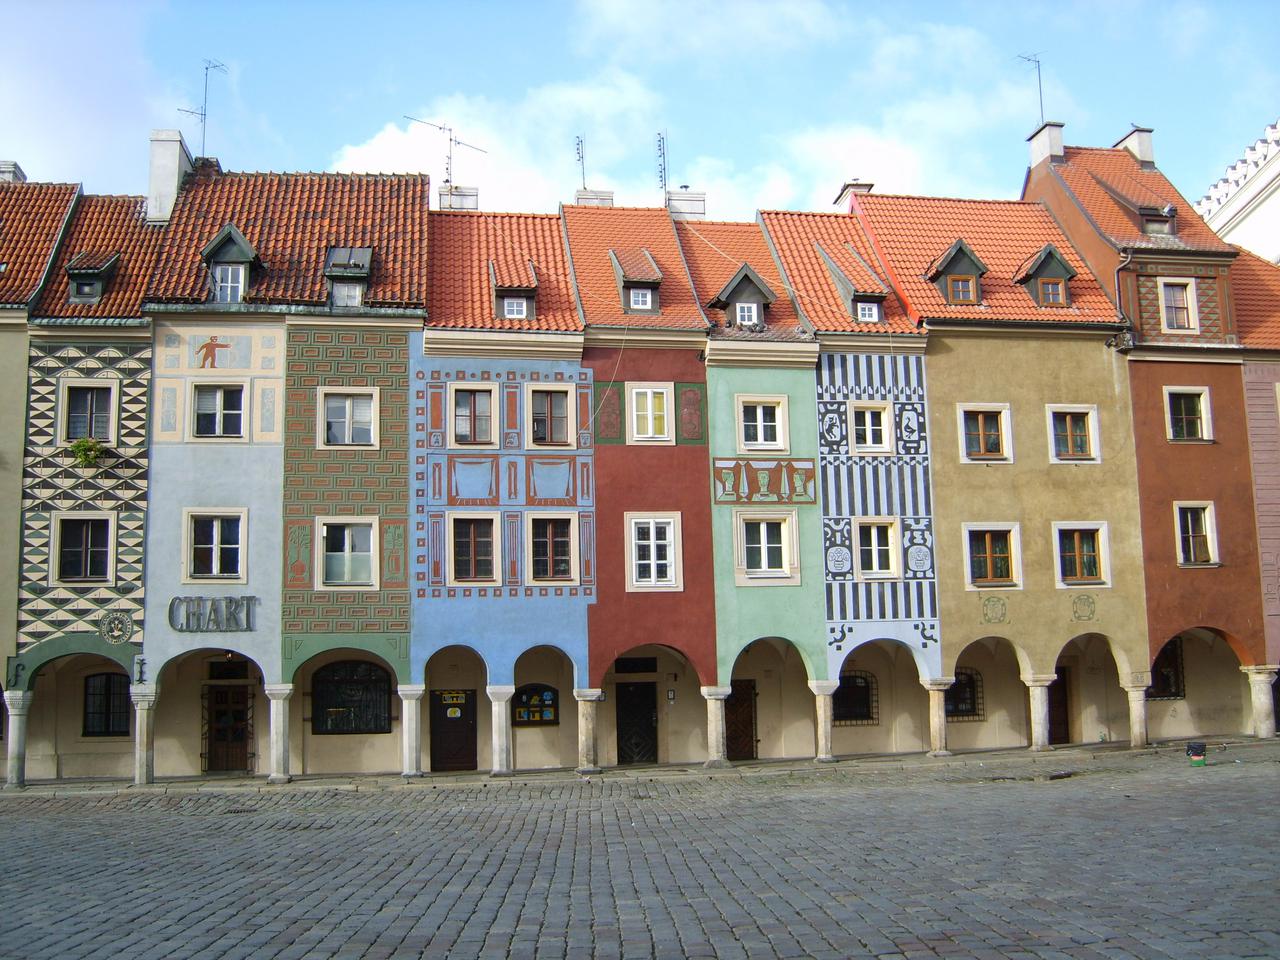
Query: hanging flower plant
[(86, 451)]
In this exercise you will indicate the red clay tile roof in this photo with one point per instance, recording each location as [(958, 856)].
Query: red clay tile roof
[(910, 232), (1096, 175), (291, 220), (594, 231), (1255, 290), (31, 218), (101, 228), (715, 251), (460, 295), (636, 265), (801, 239)]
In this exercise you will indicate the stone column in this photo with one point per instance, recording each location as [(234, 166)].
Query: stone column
[(18, 702), (1038, 684), (411, 727), (279, 694), (500, 696), (1137, 715), (822, 693), (938, 714), (717, 746), (587, 698), (143, 696), (1264, 707)]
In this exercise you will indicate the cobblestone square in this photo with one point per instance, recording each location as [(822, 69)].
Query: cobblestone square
[(1139, 858)]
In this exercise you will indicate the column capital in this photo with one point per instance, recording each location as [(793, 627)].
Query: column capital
[(18, 701), (1134, 690), (500, 692), (1261, 673), (143, 694), (824, 688), (938, 683), (716, 693), (1039, 679), (588, 693), (279, 691), (411, 691)]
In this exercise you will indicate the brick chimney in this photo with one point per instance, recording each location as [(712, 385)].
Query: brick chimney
[(170, 162)]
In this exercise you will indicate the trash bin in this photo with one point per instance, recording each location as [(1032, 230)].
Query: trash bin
[(1195, 753)]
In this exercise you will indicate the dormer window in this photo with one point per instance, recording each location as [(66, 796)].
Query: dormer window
[(347, 269), (347, 293), (957, 274), (1046, 276), (228, 282), (88, 273), (228, 257), (1157, 226), (641, 299), (747, 314), (962, 289), (1052, 292), (868, 312), (515, 308), (638, 279)]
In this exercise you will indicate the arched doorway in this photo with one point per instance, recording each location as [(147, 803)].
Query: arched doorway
[(80, 722), (770, 712), (459, 716), (211, 715), (986, 707), (349, 721), (1086, 702), (544, 714), (1197, 688), (880, 706), (658, 715)]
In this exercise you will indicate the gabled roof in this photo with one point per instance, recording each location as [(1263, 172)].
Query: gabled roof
[(292, 220), (721, 299), (908, 231), (231, 235), (715, 252), (811, 246), (102, 228), (593, 231), (943, 260), (464, 244), (1255, 291), (1029, 266), (1112, 186), (32, 216)]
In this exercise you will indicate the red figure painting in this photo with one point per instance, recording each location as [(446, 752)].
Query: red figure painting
[(208, 352)]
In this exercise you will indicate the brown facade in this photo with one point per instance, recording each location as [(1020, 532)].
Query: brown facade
[(1262, 407)]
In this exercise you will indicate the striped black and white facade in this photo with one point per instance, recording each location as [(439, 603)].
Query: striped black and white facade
[(893, 485)]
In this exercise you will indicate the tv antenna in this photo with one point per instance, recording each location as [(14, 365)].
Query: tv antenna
[(662, 162), (1035, 58), (203, 112), (449, 135), (581, 146)]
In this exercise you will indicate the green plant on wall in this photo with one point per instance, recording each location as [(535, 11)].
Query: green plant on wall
[(86, 451)]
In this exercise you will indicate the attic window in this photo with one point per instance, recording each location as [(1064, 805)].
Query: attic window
[(86, 291), (961, 289), (747, 314), (515, 308), (228, 282), (1157, 226), (347, 293), (1052, 292), (868, 312), (641, 298)]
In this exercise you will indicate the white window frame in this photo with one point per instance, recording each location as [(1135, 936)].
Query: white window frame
[(495, 420), (345, 390), (574, 568), (245, 392), (887, 444), (1006, 430), (55, 542), (667, 391), (895, 548), (1193, 309), (1015, 555), (236, 270), (676, 559), (789, 575), (746, 313), (347, 287), (375, 560), (64, 402), (873, 311), (1206, 415), (571, 410), (643, 293), (1211, 533), (515, 308), (1095, 445), (496, 520), (1104, 554), (189, 516), (742, 400)]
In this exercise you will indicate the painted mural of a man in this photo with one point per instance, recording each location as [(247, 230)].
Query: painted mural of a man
[(208, 352)]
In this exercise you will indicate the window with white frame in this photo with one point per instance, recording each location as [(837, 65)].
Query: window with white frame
[(1073, 433), (515, 308), (1178, 310), (654, 550), (640, 298), (228, 282), (215, 545), (472, 414), (871, 427), (88, 409), (985, 432), (348, 550), (992, 554), (219, 410), (474, 548), (82, 548), (868, 312), (746, 314), (1081, 554), (549, 415), (347, 417), (348, 293), (762, 423), (766, 548), (877, 545), (551, 548), (650, 418), (1187, 413), (1197, 533)]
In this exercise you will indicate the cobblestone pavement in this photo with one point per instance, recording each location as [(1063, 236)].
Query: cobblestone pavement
[(1135, 857)]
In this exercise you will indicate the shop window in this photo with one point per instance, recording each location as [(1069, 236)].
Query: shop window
[(106, 705), (350, 696), (535, 705)]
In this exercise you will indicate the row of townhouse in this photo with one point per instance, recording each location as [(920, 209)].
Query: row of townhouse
[(298, 477)]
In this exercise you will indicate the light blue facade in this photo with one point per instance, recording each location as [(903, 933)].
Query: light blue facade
[(510, 481)]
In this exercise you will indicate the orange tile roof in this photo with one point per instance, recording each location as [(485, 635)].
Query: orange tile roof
[(715, 251), (594, 231), (101, 228), (462, 243), (292, 219), (1255, 291), (1096, 176), (31, 219), (801, 239), (635, 265), (910, 232)]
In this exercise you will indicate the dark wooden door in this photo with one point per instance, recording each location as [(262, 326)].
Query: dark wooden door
[(1059, 719), (453, 730), (229, 732), (637, 717), (740, 721)]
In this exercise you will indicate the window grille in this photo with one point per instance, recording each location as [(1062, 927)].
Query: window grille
[(964, 700), (350, 697), (856, 702)]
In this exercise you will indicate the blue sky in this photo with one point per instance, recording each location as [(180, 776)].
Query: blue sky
[(767, 105)]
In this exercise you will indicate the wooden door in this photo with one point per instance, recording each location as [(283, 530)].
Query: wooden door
[(740, 721), (1059, 718), (453, 730), (229, 728), (637, 719)]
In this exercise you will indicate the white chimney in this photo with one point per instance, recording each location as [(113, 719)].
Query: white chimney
[(685, 204), (1046, 142), (459, 198), (170, 162), (851, 187), (10, 172), (1138, 142), (593, 198)]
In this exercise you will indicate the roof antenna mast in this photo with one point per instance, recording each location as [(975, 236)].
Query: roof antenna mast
[(203, 112), (662, 164), (1035, 58), (448, 160), (581, 146)]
